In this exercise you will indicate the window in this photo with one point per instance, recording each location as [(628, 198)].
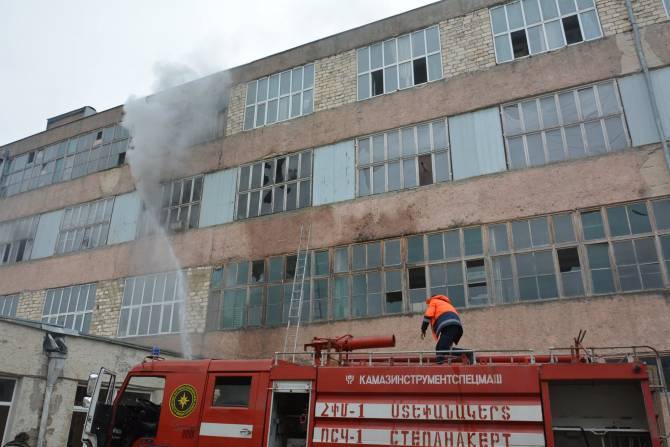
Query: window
[(279, 97), (399, 63), (403, 158), (180, 208), (142, 399), (232, 392), (572, 124), (65, 160), (78, 417), (152, 304), (85, 226), (16, 239), (531, 27), (8, 305), (666, 3), (615, 248), (275, 185), (621, 260), (637, 264), (70, 307), (6, 397), (462, 277)]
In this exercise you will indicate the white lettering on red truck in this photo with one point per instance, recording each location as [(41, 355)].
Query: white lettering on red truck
[(431, 411), (425, 438), (429, 379)]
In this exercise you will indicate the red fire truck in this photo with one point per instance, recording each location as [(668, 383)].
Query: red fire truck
[(336, 395)]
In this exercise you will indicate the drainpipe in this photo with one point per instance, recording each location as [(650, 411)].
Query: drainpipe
[(56, 353), (647, 80)]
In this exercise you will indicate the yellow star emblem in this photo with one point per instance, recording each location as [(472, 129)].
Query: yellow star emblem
[(183, 400)]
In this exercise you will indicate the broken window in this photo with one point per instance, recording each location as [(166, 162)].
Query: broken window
[(70, 307), (477, 285), (571, 273), (573, 33), (393, 295), (85, 226), (628, 219), (281, 184), (519, 43), (258, 271), (180, 208), (399, 63), (278, 97), (527, 27), (8, 305), (151, 305), (16, 239), (403, 158)]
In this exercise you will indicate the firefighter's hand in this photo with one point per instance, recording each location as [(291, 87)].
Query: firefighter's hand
[(423, 335)]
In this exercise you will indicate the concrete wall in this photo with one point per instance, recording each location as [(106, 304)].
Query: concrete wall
[(29, 366)]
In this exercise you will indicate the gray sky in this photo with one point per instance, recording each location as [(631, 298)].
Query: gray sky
[(57, 56)]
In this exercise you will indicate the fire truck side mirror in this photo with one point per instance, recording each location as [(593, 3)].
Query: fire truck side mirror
[(90, 386)]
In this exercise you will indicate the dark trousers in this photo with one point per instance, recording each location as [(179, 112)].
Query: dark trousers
[(449, 335)]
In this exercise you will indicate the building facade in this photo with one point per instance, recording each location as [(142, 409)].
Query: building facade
[(507, 154)]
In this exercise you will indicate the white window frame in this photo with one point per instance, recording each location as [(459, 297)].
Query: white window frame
[(300, 179), (578, 12), (402, 157), (75, 235), (8, 305), (78, 311), (153, 304), (256, 104), (361, 74), (582, 121)]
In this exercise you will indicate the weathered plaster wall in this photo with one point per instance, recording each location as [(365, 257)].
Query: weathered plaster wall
[(29, 365)]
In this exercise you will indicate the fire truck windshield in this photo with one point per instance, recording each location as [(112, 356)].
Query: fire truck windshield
[(138, 410)]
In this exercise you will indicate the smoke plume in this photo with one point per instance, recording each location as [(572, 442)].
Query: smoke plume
[(164, 127)]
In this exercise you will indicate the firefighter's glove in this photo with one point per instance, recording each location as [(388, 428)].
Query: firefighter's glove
[(423, 334)]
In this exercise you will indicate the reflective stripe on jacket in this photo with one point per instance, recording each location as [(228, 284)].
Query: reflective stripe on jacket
[(440, 314)]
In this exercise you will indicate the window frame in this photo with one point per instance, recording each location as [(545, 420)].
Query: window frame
[(57, 311), (542, 22), (384, 67), (9, 304), (402, 158), (563, 124), (9, 404), (255, 105), (273, 185), (69, 232), (62, 154), (129, 306)]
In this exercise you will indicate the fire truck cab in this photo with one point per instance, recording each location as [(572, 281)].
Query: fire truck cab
[(341, 397)]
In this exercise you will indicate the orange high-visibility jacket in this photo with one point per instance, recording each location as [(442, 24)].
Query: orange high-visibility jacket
[(440, 313)]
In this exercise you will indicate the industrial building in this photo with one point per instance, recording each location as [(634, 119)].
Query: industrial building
[(511, 155)]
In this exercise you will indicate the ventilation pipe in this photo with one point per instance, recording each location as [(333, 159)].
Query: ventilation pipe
[(56, 352), (648, 82)]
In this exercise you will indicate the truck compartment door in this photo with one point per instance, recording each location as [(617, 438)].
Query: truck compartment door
[(234, 410)]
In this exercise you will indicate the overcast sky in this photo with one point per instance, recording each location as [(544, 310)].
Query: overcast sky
[(56, 56)]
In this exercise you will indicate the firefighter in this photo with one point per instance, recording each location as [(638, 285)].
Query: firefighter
[(445, 323)]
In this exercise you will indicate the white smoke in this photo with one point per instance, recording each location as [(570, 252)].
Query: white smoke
[(164, 127)]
